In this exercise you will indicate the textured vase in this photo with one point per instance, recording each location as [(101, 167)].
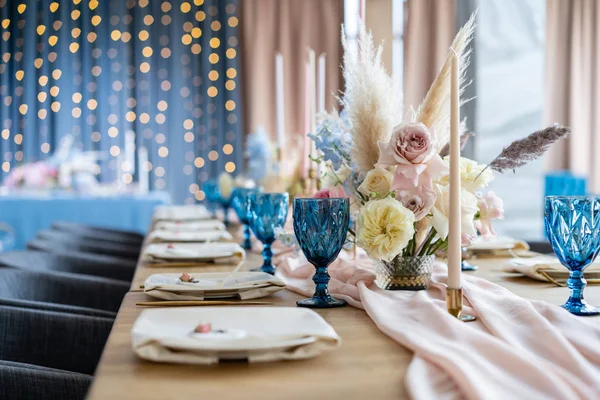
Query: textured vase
[(404, 273)]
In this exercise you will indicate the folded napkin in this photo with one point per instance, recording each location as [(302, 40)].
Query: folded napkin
[(181, 213), (213, 285), (516, 349), (199, 236), (258, 334), (190, 226), (548, 269), (494, 245), (192, 252)]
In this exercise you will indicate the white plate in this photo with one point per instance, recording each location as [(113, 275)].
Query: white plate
[(200, 236), (192, 251), (181, 213), (209, 281), (190, 226)]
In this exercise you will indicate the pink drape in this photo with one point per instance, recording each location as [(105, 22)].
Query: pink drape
[(573, 85)]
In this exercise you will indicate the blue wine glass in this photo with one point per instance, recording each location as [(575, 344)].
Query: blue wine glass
[(239, 202), (267, 211), (210, 189), (225, 202), (321, 227), (572, 225)]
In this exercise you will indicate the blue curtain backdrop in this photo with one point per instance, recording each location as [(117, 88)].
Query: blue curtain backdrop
[(120, 75)]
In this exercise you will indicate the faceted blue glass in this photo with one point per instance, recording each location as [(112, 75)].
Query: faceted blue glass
[(572, 225), (210, 189), (267, 211), (321, 227), (239, 202)]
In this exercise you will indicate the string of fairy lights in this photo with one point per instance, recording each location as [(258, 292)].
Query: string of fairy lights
[(119, 76)]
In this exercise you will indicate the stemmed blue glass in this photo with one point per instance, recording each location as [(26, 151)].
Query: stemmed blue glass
[(225, 202), (573, 227), (239, 202), (321, 227), (267, 211), (211, 190)]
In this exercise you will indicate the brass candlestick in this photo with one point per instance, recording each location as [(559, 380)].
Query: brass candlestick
[(454, 303)]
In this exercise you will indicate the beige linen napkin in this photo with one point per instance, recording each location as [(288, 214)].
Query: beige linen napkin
[(190, 226), (200, 236), (549, 269), (181, 213), (243, 285), (258, 334)]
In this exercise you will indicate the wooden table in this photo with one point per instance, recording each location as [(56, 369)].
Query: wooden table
[(367, 365)]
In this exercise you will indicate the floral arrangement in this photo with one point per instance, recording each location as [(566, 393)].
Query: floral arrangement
[(33, 175), (395, 168)]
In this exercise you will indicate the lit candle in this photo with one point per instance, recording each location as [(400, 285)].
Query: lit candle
[(280, 101), (454, 217), (321, 91), (142, 171)]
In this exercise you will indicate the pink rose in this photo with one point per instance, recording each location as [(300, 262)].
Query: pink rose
[(419, 200), (490, 207), (412, 150), (409, 144), (331, 193)]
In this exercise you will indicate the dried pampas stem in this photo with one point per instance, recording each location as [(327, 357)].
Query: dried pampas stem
[(464, 138), (372, 99), (522, 151), (434, 111)]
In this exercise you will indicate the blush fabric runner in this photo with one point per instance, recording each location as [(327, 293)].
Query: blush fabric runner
[(515, 349)]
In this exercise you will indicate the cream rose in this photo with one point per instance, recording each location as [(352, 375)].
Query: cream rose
[(469, 175), (441, 209), (384, 228), (225, 185), (377, 180)]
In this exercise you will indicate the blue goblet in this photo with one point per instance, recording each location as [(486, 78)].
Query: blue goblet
[(267, 211), (225, 202), (321, 227), (210, 189), (572, 225), (239, 202)]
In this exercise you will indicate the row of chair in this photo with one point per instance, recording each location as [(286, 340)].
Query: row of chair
[(58, 301)]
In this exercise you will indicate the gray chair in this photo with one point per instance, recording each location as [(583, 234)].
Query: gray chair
[(543, 247), (45, 306), (67, 289), (82, 263), (51, 247), (112, 234), (19, 381), (52, 339), (99, 237), (67, 241)]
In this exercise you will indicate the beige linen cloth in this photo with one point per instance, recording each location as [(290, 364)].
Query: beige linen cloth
[(516, 349), (165, 335), (549, 269), (242, 285)]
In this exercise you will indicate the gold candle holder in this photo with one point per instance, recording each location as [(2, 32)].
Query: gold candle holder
[(454, 303)]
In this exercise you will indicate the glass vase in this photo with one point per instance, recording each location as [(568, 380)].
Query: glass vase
[(404, 273)]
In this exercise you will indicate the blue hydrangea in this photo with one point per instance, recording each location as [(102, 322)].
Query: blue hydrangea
[(258, 152), (333, 139)]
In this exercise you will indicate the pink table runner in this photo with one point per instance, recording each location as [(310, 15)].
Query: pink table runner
[(517, 349)]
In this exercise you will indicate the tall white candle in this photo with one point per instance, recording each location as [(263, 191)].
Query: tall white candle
[(279, 95), (130, 151), (454, 217), (306, 150), (142, 171), (321, 91), (312, 100)]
